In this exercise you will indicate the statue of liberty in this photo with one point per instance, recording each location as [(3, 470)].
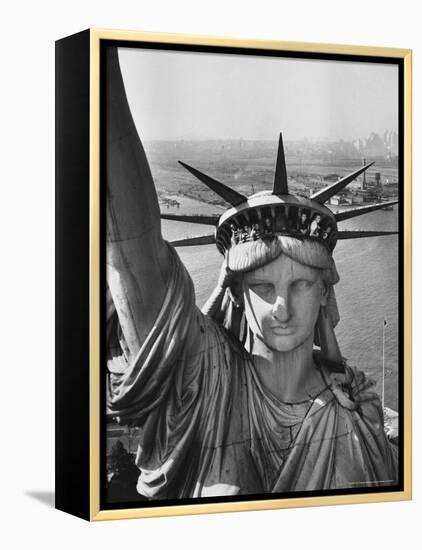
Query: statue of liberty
[(251, 395)]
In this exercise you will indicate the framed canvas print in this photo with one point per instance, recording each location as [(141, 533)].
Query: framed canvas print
[(233, 274)]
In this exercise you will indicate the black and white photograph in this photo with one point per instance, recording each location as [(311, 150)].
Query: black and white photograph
[(252, 335)]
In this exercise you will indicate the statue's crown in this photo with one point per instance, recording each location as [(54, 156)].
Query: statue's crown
[(267, 214)]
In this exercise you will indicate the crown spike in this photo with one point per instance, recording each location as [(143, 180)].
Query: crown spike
[(280, 186), (199, 218), (353, 212), (194, 241), (229, 195), (341, 235), (325, 194)]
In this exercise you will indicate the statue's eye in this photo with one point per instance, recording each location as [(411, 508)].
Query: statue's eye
[(302, 284), (262, 289)]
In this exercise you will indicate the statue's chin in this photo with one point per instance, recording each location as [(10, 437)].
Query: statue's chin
[(278, 343)]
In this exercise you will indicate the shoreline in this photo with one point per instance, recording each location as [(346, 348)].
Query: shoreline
[(184, 204)]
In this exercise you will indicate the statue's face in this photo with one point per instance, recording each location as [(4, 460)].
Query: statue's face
[(282, 302)]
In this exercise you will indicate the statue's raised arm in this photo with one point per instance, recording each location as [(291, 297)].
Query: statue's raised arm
[(137, 257)]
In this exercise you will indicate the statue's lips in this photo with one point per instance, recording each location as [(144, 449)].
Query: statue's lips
[(282, 330)]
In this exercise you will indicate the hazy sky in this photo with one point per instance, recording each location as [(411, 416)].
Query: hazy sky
[(194, 95)]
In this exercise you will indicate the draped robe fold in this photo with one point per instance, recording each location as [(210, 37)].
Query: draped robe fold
[(209, 427)]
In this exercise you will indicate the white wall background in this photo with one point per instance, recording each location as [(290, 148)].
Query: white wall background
[(27, 271)]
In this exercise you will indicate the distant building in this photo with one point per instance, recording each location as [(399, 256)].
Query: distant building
[(316, 186), (356, 184), (371, 194), (336, 200), (331, 177), (358, 199)]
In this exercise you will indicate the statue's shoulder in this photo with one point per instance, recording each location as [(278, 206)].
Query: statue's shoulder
[(350, 385), (218, 335), (358, 381)]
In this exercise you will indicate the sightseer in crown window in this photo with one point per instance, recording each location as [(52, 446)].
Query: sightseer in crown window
[(234, 237), (315, 228), (326, 232), (303, 223), (235, 399), (268, 227)]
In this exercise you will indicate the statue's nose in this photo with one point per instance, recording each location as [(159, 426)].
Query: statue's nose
[(280, 309)]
